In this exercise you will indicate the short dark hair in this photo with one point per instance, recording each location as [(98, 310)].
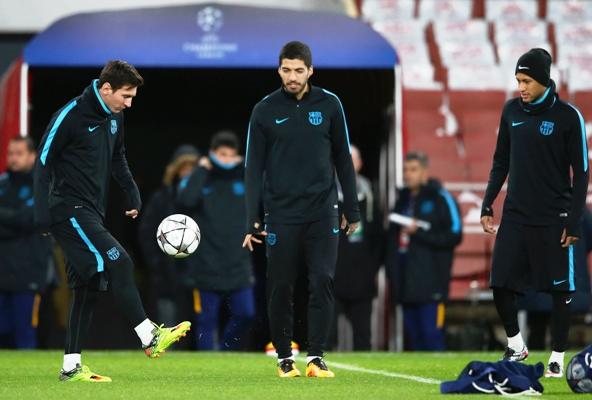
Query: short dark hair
[(296, 51), (27, 140), (418, 156), (119, 74), (226, 139)]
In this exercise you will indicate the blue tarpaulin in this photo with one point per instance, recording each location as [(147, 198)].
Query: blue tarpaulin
[(207, 36)]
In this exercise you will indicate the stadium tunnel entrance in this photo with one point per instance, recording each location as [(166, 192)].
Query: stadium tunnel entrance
[(186, 99)]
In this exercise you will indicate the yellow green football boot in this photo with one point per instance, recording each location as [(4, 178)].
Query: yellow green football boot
[(287, 369), (164, 337), (317, 368), (82, 374)]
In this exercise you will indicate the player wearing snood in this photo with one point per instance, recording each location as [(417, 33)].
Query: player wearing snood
[(541, 138)]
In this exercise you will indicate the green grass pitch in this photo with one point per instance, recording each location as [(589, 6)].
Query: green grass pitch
[(185, 375)]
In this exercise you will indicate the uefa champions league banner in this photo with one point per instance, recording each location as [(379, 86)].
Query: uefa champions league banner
[(207, 36)]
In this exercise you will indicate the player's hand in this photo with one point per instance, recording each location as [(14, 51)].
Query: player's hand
[(132, 213), (567, 241), (251, 238), (348, 227), (411, 229), (487, 224)]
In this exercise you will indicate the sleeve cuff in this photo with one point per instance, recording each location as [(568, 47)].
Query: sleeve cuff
[(254, 227), (135, 200), (574, 228), (486, 211), (352, 216)]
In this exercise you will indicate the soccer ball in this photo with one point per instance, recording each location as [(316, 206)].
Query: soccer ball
[(579, 372), (178, 235)]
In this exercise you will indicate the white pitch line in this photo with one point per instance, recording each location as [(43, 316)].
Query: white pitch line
[(354, 368)]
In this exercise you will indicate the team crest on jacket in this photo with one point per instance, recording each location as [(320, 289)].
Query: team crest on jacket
[(25, 192), (315, 117), (427, 207), (546, 128), (113, 127), (113, 253), (271, 239)]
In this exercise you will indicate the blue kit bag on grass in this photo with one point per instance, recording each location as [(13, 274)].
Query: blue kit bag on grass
[(502, 377)]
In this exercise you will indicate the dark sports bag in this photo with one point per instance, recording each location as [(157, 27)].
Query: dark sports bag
[(502, 377)]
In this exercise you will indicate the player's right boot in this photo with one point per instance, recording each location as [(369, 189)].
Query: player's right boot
[(317, 368), (513, 355), (164, 337), (287, 369), (82, 374), (554, 370)]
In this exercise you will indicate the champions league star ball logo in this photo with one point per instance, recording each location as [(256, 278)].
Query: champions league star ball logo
[(210, 19), (210, 46)]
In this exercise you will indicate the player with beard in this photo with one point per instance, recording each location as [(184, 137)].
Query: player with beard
[(297, 141)]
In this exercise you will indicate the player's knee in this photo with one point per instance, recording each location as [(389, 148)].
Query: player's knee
[(280, 287), (121, 272), (321, 282), (91, 297)]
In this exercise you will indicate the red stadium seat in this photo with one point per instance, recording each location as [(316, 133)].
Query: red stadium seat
[(567, 12), (437, 10), (470, 266), (376, 10), (474, 244), (511, 9)]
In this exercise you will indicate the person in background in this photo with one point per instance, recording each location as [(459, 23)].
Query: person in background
[(163, 274), (419, 260), (220, 271), (358, 261), (24, 253)]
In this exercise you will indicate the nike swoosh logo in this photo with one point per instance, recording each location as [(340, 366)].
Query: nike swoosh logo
[(93, 128), (335, 230), (559, 282), (521, 67), (568, 301), (281, 121), (518, 123)]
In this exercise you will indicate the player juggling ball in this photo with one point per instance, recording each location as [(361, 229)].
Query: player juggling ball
[(81, 150)]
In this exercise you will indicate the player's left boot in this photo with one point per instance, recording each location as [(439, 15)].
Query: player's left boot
[(317, 368), (82, 374), (287, 369), (164, 337), (513, 355), (554, 370)]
